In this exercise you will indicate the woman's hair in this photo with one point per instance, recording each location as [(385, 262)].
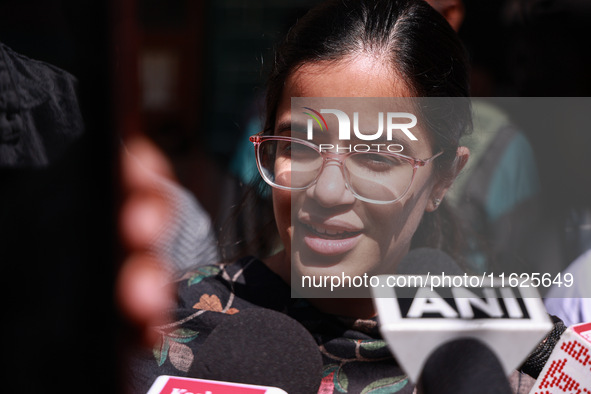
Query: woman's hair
[(415, 40)]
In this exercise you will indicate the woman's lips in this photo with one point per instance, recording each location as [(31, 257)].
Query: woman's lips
[(330, 240)]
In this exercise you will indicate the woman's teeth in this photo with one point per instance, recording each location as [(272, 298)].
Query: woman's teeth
[(333, 233)]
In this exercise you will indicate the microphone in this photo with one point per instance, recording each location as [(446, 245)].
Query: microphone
[(427, 260), (261, 347), (462, 365), (434, 316), (568, 369), (165, 384), (536, 361)]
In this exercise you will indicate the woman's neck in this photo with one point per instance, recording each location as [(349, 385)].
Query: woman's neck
[(360, 308)]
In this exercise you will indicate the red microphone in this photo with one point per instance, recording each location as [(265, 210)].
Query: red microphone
[(176, 385)]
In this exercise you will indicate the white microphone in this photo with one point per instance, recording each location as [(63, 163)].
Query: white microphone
[(568, 370), (417, 315)]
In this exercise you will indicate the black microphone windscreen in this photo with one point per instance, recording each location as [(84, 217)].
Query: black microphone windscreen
[(535, 362), (421, 261), (263, 347), (463, 366)]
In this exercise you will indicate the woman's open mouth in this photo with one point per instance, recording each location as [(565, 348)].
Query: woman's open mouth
[(329, 240)]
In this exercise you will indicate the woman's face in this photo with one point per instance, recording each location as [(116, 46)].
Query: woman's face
[(326, 230)]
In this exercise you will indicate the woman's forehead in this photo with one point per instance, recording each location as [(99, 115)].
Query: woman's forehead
[(360, 76), (354, 76)]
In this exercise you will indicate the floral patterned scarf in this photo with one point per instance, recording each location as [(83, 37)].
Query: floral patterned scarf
[(355, 358)]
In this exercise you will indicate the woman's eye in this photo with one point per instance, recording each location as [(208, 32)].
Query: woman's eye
[(302, 150), (378, 159), (284, 149), (377, 162)]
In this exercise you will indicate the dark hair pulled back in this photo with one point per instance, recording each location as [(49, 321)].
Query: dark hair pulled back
[(416, 40)]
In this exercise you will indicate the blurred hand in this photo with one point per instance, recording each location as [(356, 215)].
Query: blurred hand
[(141, 288)]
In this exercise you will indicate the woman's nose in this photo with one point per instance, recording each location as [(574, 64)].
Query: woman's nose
[(331, 188)]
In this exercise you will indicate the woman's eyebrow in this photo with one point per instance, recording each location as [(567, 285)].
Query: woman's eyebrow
[(283, 127), (289, 128)]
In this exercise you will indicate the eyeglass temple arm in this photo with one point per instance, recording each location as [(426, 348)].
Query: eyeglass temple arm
[(421, 163)]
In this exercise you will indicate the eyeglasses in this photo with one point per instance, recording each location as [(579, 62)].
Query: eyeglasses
[(376, 177)]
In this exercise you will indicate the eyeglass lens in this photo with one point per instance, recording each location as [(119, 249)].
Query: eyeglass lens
[(370, 175)]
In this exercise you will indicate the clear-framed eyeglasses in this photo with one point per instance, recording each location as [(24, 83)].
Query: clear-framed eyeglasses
[(290, 163)]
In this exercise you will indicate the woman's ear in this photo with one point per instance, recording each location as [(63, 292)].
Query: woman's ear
[(441, 187)]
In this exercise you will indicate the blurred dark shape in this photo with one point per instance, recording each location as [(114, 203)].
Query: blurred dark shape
[(39, 112), (57, 201)]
